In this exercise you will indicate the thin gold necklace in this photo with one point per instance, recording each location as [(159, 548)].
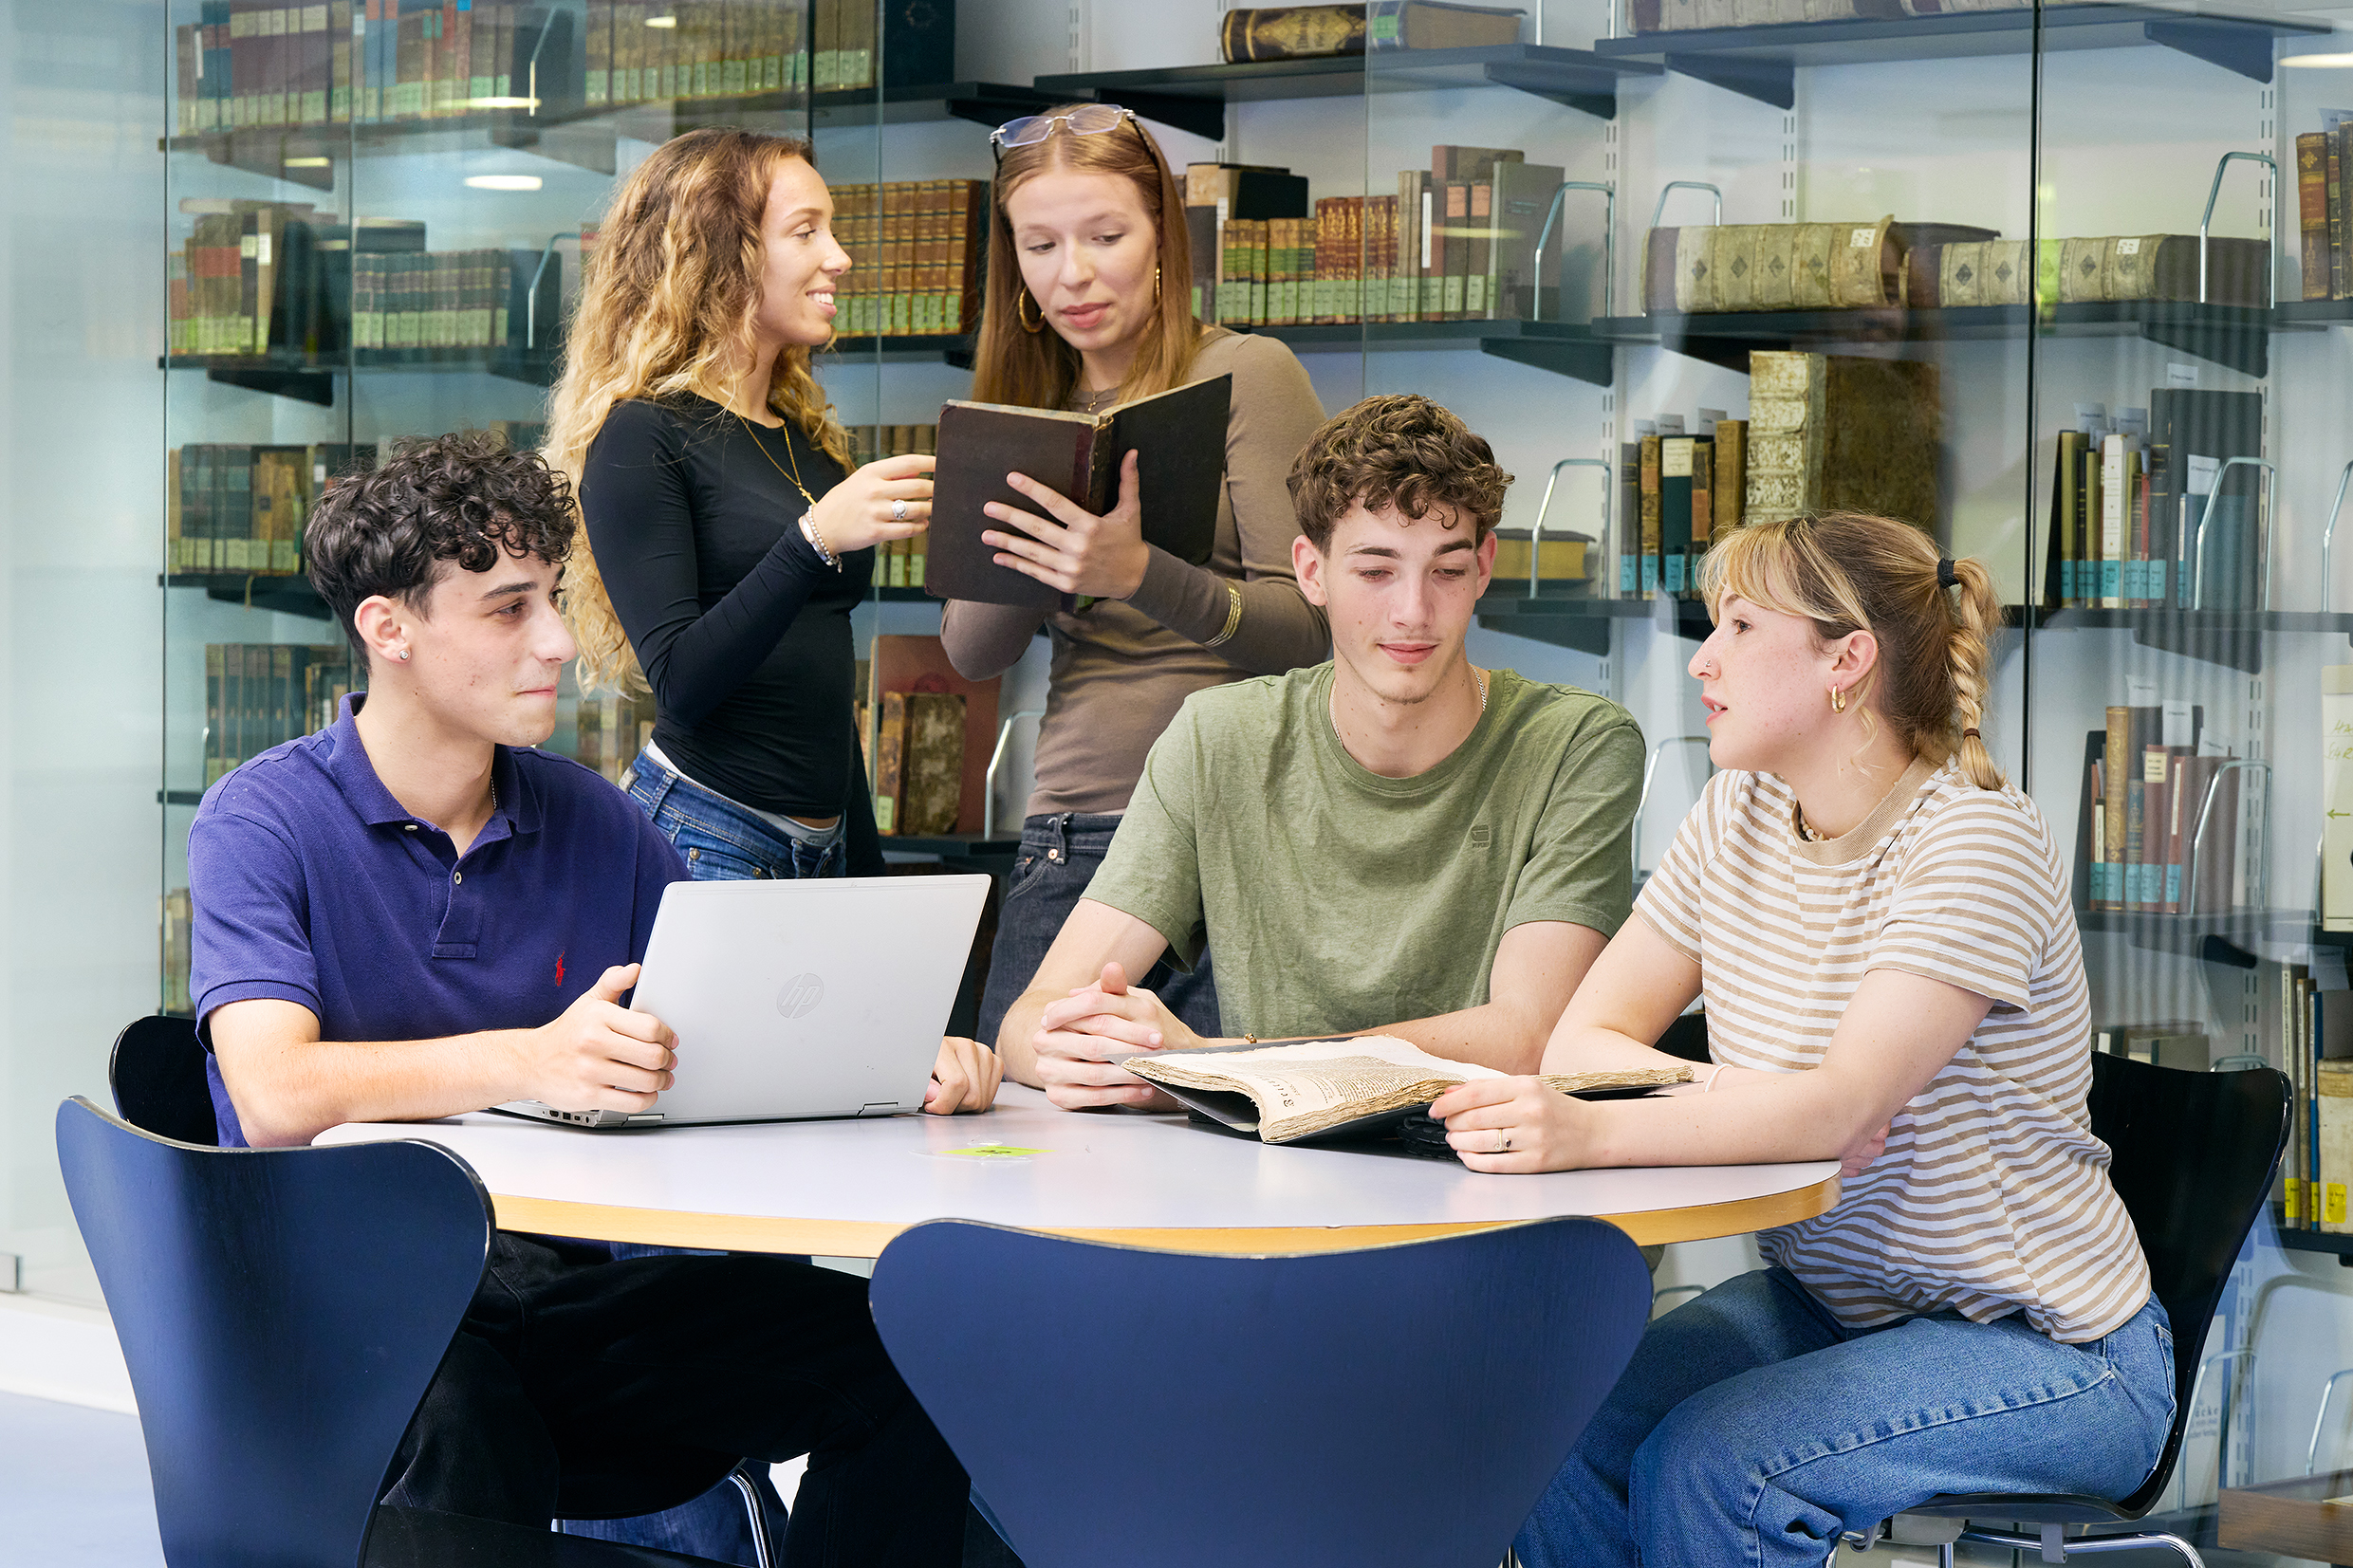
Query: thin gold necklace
[(789, 455)]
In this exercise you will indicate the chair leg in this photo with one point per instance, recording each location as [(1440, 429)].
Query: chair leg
[(1944, 1553), (747, 1485)]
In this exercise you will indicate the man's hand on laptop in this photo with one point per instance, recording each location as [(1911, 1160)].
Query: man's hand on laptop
[(1109, 1018), (598, 1055), (964, 1079)]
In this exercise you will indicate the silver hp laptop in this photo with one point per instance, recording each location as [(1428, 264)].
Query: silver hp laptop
[(799, 999)]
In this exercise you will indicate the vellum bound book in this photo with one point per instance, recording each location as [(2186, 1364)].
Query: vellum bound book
[(1332, 1088)]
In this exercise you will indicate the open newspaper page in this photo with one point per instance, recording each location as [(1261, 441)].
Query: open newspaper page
[(1305, 1087)]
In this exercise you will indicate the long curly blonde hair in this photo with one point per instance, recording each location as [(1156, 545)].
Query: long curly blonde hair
[(666, 306)]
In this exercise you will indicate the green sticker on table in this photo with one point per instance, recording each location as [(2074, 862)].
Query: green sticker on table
[(991, 1151)]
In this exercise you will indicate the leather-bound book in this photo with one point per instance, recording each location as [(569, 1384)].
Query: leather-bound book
[(1289, 32), (1181, 440), (1730, 472), (2312, 211), (1830, 431), (930, 782), (2164, 266), (890, 759)]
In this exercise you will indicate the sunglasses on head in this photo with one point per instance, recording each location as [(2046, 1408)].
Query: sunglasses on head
[(1087, 119)]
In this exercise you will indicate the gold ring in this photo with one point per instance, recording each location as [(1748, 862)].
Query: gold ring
[(1505, 1148)]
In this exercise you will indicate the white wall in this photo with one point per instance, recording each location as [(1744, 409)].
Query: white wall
[(80, 489)]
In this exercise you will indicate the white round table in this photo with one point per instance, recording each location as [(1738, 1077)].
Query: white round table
[(844, 1188)]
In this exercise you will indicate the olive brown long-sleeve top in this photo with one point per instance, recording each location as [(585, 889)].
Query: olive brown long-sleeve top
[(1122, 669), (743, 633)]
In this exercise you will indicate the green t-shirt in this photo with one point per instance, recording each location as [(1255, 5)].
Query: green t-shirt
[(1336, 900)]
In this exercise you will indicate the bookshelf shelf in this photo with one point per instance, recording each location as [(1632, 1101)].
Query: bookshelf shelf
[(1193, 98), (583, 136), (2237, 336), (310, 377), (1583, 623), (1762, 61), (2297, 1239), (2223, 938), (1565, 348), (2235, 638), (275, 595)]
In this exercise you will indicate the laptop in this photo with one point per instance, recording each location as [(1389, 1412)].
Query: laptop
[(798, 999)]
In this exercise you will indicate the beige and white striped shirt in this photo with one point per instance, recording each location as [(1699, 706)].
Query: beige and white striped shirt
[(1993, 1195)]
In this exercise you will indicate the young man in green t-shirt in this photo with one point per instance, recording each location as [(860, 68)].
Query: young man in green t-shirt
[(1395, 841)]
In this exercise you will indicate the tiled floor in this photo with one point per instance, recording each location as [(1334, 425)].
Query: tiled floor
[(73, 1488)]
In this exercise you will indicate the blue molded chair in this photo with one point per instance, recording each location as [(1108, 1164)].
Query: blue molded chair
[(2193, 1157), (282, 1311), (156, 1073), (1401, 1404)]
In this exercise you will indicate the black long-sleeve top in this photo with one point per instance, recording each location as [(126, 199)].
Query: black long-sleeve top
[(742, 631)]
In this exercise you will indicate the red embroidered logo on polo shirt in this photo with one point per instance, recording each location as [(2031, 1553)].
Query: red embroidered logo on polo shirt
[(558, 970)]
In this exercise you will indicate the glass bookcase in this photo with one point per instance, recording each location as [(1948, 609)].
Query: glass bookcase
[(2150, 462)]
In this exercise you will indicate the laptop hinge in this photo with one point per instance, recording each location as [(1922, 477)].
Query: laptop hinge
[(880, 1108)]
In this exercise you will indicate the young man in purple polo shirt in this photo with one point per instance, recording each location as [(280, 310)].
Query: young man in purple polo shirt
[(415, 913)]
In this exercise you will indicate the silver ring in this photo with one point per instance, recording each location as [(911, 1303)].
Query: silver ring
[(899, 511)]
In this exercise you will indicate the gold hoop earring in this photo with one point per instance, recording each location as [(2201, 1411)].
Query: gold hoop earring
[(1020, 296), (1837, 700)]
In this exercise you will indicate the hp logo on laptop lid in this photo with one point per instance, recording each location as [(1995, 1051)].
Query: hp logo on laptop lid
[(799, 996)]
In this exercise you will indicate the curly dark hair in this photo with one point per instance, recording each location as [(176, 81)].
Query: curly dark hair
[(465, 498), (1401, 450)]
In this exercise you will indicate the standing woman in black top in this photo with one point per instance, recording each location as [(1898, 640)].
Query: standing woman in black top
[(725, 538)]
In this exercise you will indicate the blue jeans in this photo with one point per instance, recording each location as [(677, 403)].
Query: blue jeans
[(721, 841), (1059, 856), (1751, 1428)]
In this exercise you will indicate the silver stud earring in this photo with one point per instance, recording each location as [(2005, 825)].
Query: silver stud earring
[(404, 655)]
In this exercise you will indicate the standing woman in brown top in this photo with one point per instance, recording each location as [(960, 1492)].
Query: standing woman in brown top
[(1090, 304)]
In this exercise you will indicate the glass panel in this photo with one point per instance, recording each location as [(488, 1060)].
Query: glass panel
[(2189, 437)]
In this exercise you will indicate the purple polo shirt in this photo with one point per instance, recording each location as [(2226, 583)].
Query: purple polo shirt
[(311, 884)]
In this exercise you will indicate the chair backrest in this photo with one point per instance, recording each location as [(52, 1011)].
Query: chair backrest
[(2194, 1158), (156, 1073), (282, 1311), (1400, 1404)]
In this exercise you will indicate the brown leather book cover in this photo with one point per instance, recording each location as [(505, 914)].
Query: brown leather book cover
[(1180, 436), (932, 764), (1659, 270), (2312, 209), (1290, 33), (890, 758)]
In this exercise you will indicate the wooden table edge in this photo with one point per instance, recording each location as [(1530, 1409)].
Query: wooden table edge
[(866, 1238)]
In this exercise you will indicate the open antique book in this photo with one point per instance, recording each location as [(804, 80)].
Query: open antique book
[(1321, 1088)]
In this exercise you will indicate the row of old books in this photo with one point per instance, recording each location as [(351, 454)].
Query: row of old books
[(639, 52), (261, 695), (413, 302), (2315, 1040), (234, 509), (1719, 268), (898, 563), (2323, 192), (1825, 431), (1683, 490), (2144, 502), (929, 733), (915, 257), (237, 511), (1304, 32), (259, 65), (1458, 242), (2159, 827)]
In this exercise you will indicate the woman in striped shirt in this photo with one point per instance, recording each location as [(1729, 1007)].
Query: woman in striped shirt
[(1880, 927)]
